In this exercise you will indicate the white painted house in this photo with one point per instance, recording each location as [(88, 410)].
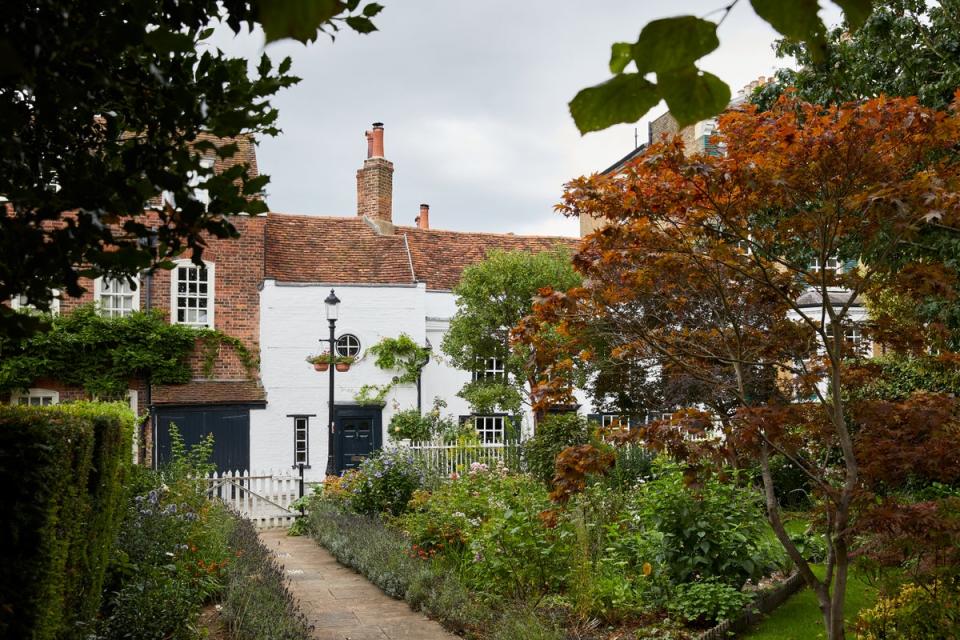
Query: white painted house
[(391, 280)]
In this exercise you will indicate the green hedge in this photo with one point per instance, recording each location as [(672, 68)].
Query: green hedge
[(62, 471)]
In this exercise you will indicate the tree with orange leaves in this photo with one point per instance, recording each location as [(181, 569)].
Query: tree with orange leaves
[(711, 269)]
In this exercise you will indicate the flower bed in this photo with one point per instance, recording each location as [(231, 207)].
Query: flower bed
[(178, 552), (487, 553)]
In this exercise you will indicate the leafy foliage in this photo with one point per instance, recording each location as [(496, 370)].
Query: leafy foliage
[(102, 354), (716, 531), (492, 297), (384, 483), (491, 521), (904, 48), (411, 425), (708, 601), (554, 434), (64, 468), (102, 107), (915, 612), (399, 354), (671, 47)]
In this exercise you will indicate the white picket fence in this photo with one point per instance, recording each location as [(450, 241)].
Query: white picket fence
[(265, 498), (445, 458)]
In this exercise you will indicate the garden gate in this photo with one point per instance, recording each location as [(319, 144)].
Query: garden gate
[(265, 498)]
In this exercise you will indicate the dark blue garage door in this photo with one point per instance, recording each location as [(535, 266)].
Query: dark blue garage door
[(230, 427)]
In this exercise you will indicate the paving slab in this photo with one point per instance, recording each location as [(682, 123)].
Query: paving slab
[(339, 602)]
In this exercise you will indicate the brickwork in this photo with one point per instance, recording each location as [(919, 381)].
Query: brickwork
[(375, 189)]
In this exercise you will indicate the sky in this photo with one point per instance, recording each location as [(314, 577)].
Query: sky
[(473, 96)]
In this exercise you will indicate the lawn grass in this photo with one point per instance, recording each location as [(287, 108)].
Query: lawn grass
[(799, 617)]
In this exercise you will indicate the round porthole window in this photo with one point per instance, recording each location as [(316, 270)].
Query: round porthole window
[(348, 345)]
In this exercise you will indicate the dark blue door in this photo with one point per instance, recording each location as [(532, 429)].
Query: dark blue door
[(358, 434), (230, 427)]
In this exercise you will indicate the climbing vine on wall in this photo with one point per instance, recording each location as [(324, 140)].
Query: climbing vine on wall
[(101, 355), (400, 354)]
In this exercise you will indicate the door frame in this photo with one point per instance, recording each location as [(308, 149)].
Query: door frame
[(374, 411)]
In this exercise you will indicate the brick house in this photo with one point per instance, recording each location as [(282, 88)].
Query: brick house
[(267, 289)]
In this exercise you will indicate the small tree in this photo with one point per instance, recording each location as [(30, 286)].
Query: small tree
[(492, 297), (715, 267)]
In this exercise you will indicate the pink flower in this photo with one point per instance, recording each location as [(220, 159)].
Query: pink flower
[(454, 476)]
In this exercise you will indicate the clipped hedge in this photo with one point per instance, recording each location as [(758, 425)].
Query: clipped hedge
[(257, 603), (62, 470)]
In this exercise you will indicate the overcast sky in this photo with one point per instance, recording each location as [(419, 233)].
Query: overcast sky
[(473, 96)]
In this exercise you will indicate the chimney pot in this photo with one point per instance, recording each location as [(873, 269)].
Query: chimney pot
[(375, 141), (423, 220)]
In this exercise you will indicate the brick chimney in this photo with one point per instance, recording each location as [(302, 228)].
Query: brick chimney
[(375, 180), (423, 220)]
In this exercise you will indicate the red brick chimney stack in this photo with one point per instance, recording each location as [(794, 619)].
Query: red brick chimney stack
[(423, 220), (375, 180)]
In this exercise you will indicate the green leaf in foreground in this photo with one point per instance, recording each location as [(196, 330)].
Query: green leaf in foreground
[(621, 53), (796, 19), (623, 98), (674, 43), (855, 11), (693, 95), (296, 19)]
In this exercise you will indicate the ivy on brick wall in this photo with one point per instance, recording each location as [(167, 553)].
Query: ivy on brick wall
[(102, 355)]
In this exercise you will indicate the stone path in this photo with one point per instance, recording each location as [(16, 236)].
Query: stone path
[(340, 603)]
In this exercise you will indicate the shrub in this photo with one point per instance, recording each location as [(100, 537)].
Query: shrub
[(410, 425), (554, 433), (170, 555), (256, 602), (716, 531), (930, 612), (490, 524), (707, 601), (385, 482), (62, 470)]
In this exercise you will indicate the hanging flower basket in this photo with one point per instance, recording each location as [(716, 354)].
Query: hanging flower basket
[(320, 362), (343, 363)]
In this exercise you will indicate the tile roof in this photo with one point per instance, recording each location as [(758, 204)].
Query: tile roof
[(439, 257), (350, 251), (333, 250), (210, 392)]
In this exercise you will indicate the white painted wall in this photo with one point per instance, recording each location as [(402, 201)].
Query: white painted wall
[(292, 322)]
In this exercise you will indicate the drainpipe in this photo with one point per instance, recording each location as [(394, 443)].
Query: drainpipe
[(148, 305), (420, 377)]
